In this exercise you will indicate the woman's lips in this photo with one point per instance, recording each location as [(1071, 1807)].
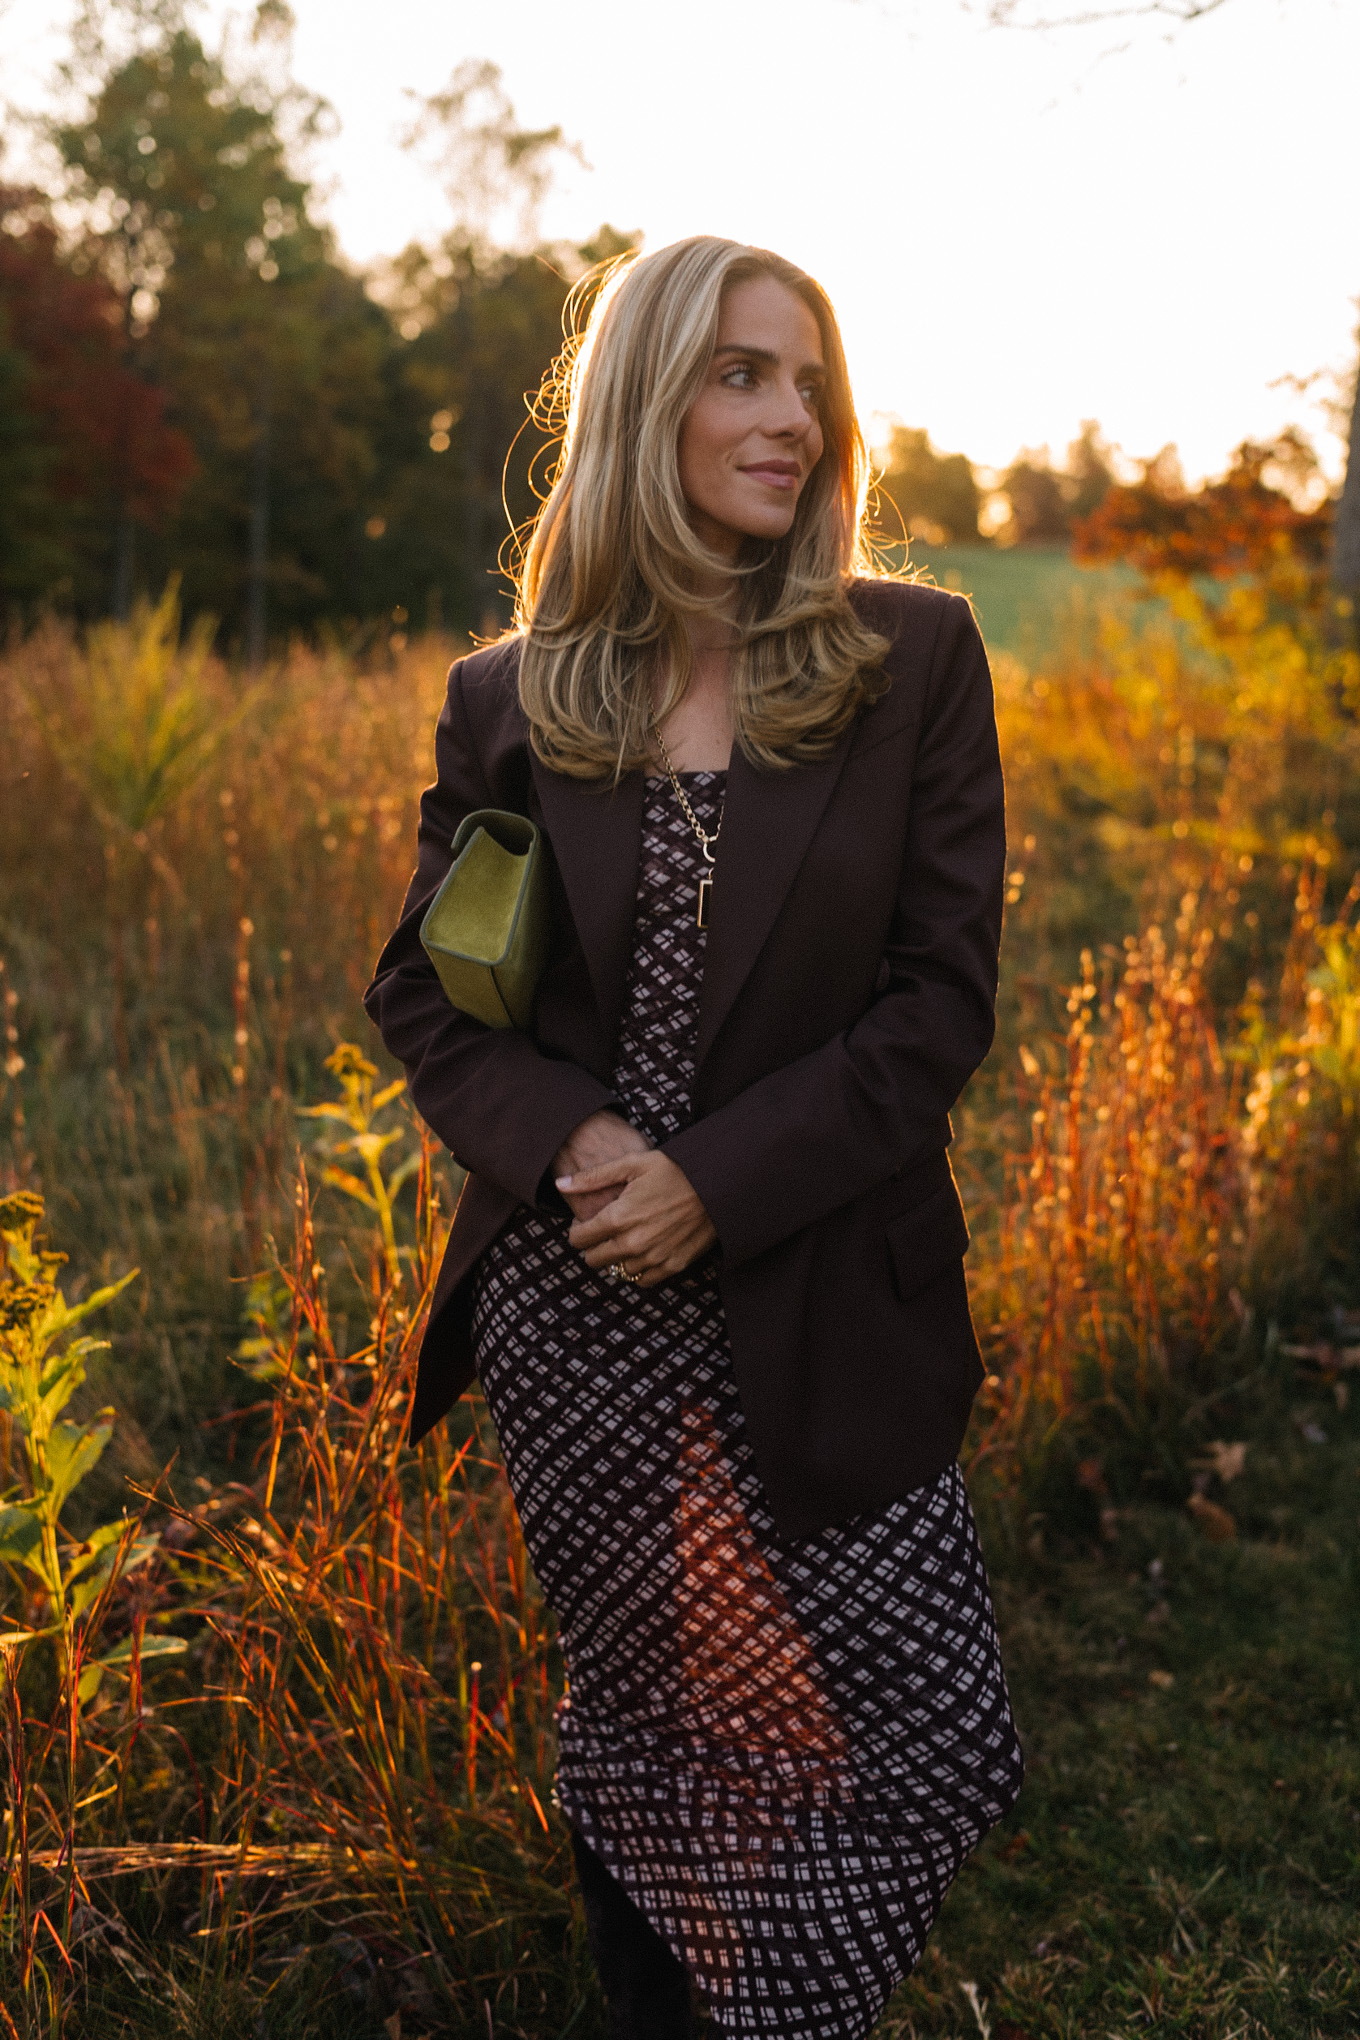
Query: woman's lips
[(773, 475)]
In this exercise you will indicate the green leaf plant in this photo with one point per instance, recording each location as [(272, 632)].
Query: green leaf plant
[(64, 1580), (41, 1368), (357, 1110)]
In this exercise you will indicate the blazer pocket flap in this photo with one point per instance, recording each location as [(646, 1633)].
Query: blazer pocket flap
[(925, 1242)]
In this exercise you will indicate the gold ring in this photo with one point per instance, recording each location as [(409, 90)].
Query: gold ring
[(619, 1269)]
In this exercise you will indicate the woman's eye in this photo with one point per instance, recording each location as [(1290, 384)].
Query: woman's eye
[(739, 377)]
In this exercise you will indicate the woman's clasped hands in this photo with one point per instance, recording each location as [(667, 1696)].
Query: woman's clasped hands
[(635, 1210)]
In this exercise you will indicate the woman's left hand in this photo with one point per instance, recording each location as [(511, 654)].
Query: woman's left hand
[(654, 1225)]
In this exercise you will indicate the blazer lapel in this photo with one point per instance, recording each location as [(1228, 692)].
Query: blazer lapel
[(768, 822), (596, 838)]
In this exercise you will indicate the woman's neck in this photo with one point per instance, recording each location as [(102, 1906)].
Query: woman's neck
[(698, 730)]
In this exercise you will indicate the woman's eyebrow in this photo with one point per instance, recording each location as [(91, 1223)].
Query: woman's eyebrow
[(766, 354)]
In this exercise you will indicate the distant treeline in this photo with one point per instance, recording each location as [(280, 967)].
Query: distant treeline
[(193, 383), (942, 499)]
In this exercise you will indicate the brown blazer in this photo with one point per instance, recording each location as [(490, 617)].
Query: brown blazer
[(848, 995)]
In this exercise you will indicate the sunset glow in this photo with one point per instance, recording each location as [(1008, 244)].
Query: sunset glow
[(1019, 231)]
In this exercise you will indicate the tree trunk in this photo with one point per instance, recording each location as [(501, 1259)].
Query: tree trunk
[(257, 561), (124, 563), (1346, 534)]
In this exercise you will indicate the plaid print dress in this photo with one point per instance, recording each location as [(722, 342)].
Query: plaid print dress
[(782, 1748)]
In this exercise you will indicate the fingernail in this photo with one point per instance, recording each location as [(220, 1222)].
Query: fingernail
[(564, 1182)]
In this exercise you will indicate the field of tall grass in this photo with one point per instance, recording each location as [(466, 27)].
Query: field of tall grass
[(277, 1691)]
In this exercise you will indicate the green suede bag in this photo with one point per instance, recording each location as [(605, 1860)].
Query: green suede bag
[(486, 929)]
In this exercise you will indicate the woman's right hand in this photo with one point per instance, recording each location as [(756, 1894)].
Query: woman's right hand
[(601, 1138)]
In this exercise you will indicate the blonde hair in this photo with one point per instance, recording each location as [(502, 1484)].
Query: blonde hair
[(610, 567)]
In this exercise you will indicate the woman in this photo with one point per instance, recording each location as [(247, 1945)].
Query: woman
[(708, 1261)]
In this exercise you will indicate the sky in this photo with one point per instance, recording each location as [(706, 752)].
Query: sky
[(1019, 231)]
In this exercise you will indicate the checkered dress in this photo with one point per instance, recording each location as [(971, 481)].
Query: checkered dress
[(782, 1748)]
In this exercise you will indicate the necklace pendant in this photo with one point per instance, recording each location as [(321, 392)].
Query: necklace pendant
[(705, 889)]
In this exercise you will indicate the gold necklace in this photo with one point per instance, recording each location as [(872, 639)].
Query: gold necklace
[(708, 844)]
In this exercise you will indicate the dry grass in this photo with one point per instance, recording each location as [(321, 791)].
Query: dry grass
[(176, 973), (342, 1797), (359, 1746)]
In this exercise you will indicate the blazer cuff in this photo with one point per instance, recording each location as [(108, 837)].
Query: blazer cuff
[(547, 1196), (570, 1095), (702, 1160)]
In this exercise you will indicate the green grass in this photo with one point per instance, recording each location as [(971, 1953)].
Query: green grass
[(1184, 1859), (1027, 598)]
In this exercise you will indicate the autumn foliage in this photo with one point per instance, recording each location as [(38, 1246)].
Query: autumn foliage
[(1245, 523), (86, 433)]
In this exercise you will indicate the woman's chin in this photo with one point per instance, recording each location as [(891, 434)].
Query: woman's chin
[(765, 523), (770, 526)]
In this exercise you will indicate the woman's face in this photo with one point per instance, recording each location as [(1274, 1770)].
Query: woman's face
[(753, 434)]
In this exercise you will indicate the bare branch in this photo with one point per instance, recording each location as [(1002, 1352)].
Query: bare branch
[(493, 170), (1022, 13)]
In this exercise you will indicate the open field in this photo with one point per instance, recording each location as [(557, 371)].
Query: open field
[(1027, 598), (279, 1747)]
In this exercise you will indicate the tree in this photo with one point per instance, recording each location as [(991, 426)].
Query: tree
[(480, 319), (936, 495), (482, 327), (1250, 521), (1089, 472), (1039, 512), (79, 432), (496, 174), (1039, 504), (1346, 536), (268, 354), (350, 432), (1046, 502), (343, 437)]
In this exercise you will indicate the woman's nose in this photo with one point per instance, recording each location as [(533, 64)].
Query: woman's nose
[(788, 412)]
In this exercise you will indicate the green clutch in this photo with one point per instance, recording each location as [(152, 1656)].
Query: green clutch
[(486, 929)]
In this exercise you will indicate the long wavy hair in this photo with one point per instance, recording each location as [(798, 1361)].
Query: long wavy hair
[(610, 569)]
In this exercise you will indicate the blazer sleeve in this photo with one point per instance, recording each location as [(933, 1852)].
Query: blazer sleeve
[(875, 1100), (492, 1097)]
